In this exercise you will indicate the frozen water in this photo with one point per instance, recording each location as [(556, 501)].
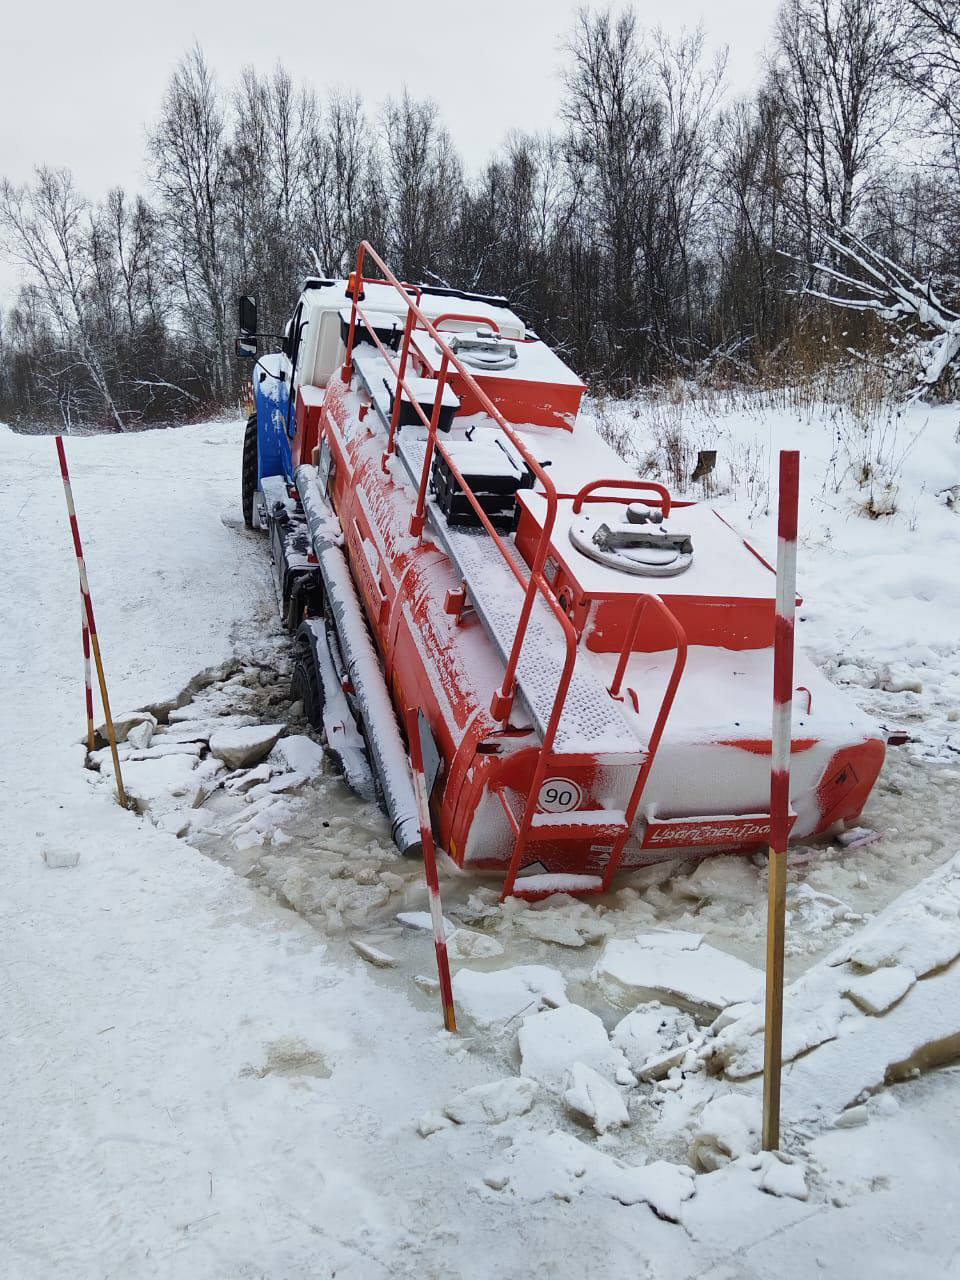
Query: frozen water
[(678, 969)]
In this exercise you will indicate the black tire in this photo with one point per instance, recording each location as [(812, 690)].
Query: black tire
[(305, 685), (248, 479)]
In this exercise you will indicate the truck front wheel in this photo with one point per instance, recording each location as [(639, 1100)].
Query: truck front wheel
[(248, 480)]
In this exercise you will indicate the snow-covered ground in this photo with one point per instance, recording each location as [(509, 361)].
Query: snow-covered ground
[(204, 1079)]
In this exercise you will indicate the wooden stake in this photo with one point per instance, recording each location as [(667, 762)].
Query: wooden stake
[(780, 792), (91, 624), (430, 868)]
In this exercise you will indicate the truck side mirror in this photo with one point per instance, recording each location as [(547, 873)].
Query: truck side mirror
[(248, 313), (246, 348)]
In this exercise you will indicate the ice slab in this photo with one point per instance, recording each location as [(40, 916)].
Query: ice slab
[(677, 968), (239, 748), (493, 1103), (501, 998)]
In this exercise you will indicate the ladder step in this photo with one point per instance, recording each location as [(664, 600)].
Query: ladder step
[(542, 886), (581, 824)]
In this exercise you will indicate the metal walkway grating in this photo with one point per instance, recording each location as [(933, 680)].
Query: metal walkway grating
[(591, 722)]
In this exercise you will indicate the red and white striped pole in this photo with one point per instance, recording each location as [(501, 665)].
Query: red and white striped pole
[(780, 790), (91, 625), (87, 686), (430, 868)]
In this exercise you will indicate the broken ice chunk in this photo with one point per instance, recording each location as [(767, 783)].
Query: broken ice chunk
[(597, 1099), (875, 992), (551, 1042), (652, 1030), (493, 1103), (501, 998), (243, 747), (728, 1127)]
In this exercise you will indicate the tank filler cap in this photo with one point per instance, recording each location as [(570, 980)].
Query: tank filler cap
[(483, 350), (640, 545)]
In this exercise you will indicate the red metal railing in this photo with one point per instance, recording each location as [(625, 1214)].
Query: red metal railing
[(661, 490), (534, 583)]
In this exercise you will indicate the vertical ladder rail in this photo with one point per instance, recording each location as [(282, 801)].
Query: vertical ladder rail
[(666, 706)]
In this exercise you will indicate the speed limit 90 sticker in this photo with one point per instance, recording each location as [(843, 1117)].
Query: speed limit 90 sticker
[(559, 795)]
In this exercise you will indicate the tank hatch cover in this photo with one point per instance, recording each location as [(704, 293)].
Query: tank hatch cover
[(641, 545)]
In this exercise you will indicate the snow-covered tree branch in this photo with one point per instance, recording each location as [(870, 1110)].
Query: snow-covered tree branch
[(861, 278)]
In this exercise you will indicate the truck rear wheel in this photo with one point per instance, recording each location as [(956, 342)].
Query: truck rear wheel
[(248, 479), (305, 685)]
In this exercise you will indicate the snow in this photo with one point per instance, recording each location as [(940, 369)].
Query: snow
[(204, 1079)]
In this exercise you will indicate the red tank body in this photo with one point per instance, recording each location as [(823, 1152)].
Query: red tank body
[(638, 721)]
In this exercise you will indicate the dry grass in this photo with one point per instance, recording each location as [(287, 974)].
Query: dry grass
[(662, 429)]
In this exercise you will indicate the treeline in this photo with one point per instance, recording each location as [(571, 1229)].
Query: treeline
[(660, 228)]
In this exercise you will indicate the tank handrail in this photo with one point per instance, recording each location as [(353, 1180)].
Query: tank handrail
[(394, 369), (458, 315), (503, 699), (660, 489)]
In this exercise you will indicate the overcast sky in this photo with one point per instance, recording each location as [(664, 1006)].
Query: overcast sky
[(81, 82)]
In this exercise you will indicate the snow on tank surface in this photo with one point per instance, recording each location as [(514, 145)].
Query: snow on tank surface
[(726, 693), (384, 299), (722, 564), (536, 362)]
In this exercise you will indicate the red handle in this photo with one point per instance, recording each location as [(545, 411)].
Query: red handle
[(661, 490)]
